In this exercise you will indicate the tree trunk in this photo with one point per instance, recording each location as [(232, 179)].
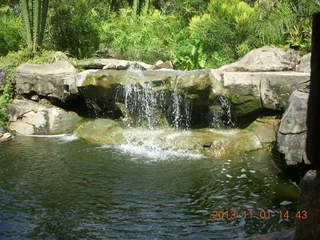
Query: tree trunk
[(313, 117), (135, 7)]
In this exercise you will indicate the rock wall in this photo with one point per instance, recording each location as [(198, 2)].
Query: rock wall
[(264, 79)]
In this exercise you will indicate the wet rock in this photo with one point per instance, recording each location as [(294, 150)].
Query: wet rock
[(305, 64), (50, 80), (5, 137), (102, 131), (209, 142), (308, 226), (250, 91), (264, 59), (244, 91), (31, 118), (265, 129), (293, 128)]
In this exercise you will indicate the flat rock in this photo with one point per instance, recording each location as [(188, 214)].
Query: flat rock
[(209, 142), (50, 80), (31, 118), (114, 64), (264, 59)]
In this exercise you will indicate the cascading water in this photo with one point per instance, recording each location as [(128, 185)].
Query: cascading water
[(220, 114), (153, 109)]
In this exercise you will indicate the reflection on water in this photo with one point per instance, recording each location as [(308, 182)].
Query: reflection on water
[(51, 188)]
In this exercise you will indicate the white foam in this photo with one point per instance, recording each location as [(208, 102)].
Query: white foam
[(153, 153), (64, 137)]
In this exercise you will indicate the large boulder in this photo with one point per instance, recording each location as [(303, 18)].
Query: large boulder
[(55, 80), (293, 130), (31, 118), (2, 77), (305, 64), (264, 59), (308, 224), (114, 64), (251, 91)]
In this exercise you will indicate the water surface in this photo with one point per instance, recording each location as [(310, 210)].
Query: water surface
[(62, 188)]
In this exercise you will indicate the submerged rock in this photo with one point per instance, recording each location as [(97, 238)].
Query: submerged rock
[(209, 142), (31, 118), (101, 131), (293, 130), (55, 80)]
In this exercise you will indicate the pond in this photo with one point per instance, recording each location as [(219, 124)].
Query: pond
[(65, 188)]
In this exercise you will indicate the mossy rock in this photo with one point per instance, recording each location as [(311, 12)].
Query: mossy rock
[(101, 131)]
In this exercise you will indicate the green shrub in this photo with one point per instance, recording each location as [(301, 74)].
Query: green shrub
[(73, 29), (148, 37), (10, 31)]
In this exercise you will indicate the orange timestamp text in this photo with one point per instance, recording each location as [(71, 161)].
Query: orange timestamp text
[(259, 214)]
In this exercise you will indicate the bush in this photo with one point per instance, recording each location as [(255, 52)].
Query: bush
[(148, 37), (73, 29), (11, 37)]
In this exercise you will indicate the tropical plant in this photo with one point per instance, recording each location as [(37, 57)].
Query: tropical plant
[(35, 15), (74, 28)]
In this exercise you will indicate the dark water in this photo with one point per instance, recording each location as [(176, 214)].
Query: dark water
[(51, 188)]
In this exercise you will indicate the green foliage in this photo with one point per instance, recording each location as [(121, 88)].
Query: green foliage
[(10, 30), (73, 29), (191, 33), (34, 14), (147, 37), (6, 98)]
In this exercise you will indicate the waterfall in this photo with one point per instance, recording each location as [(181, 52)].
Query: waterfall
[(143, 104), (220, 114), (152, 109)]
